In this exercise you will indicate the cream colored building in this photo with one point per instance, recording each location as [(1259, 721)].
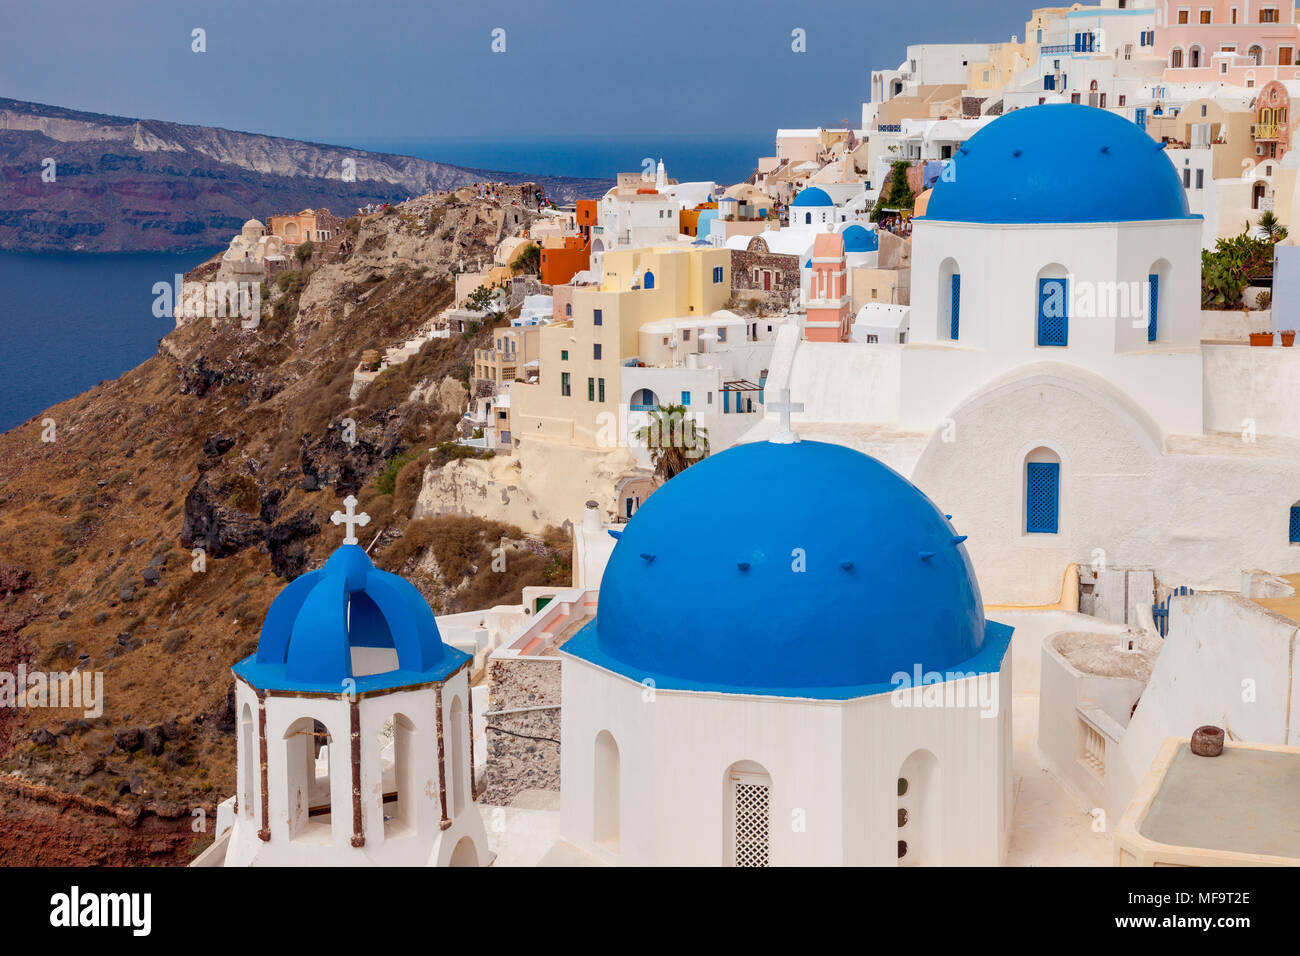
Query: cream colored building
[(582, 357)]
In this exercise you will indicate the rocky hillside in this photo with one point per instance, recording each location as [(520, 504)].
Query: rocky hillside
[(147, 539), (130, 185)]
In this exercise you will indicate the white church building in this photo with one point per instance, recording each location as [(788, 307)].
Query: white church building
[(353, 739), (786, 685), (1054, 391)]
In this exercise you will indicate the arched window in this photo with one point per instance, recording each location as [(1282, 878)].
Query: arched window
[(1053, 307), (649, 281), (400, 813), (1042, 491), (249, 760), (1176, 58), (1194, 57), (1157, 277), (459, 734), (464, 854), (949, 300), (1295, 523), (747, 802), (607, 797), (918, 810), (1256, 53), (308, 794), (807, 219)]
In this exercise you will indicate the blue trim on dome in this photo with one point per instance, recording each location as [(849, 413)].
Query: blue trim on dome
[(1059, 163), (585, 645), (703, 593), (812, 196), (313, 624)]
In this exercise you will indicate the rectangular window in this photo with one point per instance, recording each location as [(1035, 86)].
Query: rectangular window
[(564, 355), (1153, 305), (568, 308), (686, 335), (591, 389), (722, 335), (1183, 16), (1187, 177), (595, 351), (717, 274), (686, 399), (1284, 56), (1295, 524), (597, 318), (565, 389), (1205, 16), (602, 389), (1042, 496), (1053, 317), (954, 326), (1268, 16), (1200, 179)]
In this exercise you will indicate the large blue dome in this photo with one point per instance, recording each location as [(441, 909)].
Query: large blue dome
[(858, 239), (1059, 163), (313, 625), (804, 570)]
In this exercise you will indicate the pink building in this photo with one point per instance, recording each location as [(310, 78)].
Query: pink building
[(828, 292), (1240, 42)]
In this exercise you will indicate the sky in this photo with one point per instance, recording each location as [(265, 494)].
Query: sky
[(343, 71)]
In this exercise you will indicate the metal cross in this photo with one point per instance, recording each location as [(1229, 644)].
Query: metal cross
[(352, 519)]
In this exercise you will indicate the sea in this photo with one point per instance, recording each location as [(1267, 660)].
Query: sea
[(69, 321)]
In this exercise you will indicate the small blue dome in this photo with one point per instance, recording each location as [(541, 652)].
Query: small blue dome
[(1060, 162), (858, 239), (812, 196), (313, 625), (843, 576)]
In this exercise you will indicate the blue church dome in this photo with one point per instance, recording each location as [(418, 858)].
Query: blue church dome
[(812, 196), (314, 623), (858, 239), (800, 570), (1055, 163)]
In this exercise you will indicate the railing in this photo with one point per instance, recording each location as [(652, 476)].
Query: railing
[(890, 128), (642, 408), (1263, 131), (1056, 49)]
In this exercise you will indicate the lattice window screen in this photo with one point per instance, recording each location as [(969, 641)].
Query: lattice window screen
[(752, 822)]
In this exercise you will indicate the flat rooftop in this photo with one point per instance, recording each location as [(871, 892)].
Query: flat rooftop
[(1243, 801), (1288, 607)]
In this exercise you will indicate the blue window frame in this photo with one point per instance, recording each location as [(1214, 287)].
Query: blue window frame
[(649, 281), (1042, 496), (595, 351), (1049, 82), (1153, 307), (717, 274), (597, 317), (686, 399), (726, 402), (1053, 312), (954, 326), (1295, 524)]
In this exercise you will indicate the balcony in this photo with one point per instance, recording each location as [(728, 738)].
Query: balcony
[(1056, 49), (1263, 131)]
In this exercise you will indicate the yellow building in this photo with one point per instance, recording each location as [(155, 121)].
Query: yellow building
[(576, 400)]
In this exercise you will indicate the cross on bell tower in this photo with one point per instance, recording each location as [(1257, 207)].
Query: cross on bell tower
[(785, 435), (351, 518)]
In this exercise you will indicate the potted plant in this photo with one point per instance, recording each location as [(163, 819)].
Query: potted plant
[(1261, 338), (1288, 337)]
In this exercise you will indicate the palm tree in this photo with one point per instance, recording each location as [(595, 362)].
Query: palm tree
[(675, 442), (1272, 226)]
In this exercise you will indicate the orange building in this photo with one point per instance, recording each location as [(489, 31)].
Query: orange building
[(564, 257), (829, 314)]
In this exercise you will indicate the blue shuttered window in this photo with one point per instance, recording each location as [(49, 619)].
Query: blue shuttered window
[(1153, 307), (1295, 524), (955, 325), (1042, 496), (1053, 312)]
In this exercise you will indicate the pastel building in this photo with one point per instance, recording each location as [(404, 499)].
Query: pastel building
[(782, 728), (828, 309), (1238, 42)]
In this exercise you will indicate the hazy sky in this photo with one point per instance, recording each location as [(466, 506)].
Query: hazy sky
[(346, 70)]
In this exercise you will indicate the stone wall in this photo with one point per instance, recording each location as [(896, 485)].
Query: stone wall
[(523, 748)]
